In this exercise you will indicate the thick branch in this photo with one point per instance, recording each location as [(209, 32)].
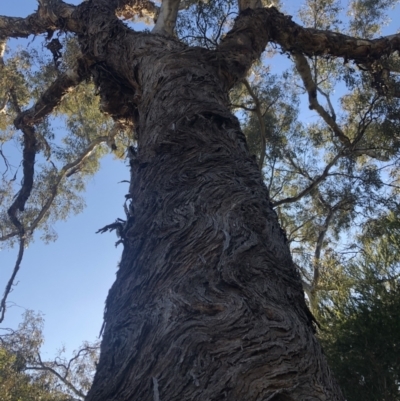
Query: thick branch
[(28, 167), (253, 29), (25, 120), (314, 42), (51, 15), (166, 21), (52, 97)]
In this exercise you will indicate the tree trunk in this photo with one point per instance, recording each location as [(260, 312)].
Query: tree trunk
[(207, 304)]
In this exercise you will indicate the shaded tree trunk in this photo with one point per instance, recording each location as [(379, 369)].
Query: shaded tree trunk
[(207, 304)]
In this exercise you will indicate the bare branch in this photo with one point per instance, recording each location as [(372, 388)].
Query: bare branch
[(166, 21), (242, 106), (67, 171), (261, 122), (312, 186), (311, 87), (328, 99), (304, 70), (55, 373), (3, 302), (45, 105)]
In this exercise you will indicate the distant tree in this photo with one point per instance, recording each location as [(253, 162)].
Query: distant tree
[(361, 326), (25, 376), (208, 302)]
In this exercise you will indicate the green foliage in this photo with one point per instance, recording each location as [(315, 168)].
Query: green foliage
[(15, 385), (368, 16), (324, 192), (17, 349), (24, 376), (59, 180), (361, 328)]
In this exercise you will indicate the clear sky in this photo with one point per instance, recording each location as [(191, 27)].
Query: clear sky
[(68, 280)]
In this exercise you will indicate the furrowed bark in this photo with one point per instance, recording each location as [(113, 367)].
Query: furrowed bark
[(207, 304), (244, 4), (50, 16)]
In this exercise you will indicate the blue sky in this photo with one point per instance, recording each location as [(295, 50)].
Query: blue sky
[(68, 280)]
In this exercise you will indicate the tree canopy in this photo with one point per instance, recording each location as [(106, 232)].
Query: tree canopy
[(24, 375)]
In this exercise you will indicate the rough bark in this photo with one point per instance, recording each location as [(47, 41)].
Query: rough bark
[(207, 304)]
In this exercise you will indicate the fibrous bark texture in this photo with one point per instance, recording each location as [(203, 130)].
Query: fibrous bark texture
[(207, 304)]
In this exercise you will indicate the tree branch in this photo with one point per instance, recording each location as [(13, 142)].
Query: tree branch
[(3, 302), (52, 97), (312, 186), (51, 15), (304, 71), (261, 122), (67, 171), (45, 105), (254, 29), (55, 373), (28, 167), (3, 43), (166, 21)]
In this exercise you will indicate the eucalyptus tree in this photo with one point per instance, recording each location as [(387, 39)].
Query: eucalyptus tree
[(361, 334), (322, 188), (26, 375), (208, 303)]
